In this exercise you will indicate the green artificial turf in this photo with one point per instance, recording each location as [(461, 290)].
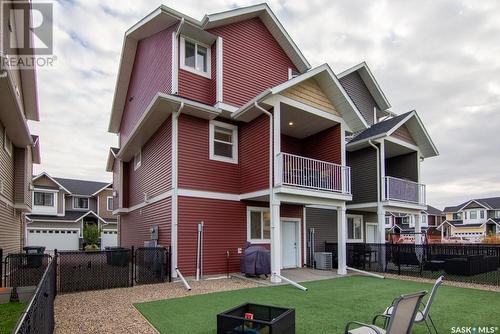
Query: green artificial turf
[(327, 306), (9, 314)]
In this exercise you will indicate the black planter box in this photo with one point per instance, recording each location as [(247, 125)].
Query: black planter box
[(266, 320)]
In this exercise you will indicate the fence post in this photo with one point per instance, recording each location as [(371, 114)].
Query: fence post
[(399, 259), (55, 259), (132, 261)]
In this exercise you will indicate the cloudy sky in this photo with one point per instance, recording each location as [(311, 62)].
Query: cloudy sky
[(438, 57)]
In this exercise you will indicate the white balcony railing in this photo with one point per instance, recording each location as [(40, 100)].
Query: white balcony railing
[(310, 173), (400, 190)]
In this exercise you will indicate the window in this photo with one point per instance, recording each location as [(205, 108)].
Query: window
[(137, 160), (424, 220), (473, 215), (457, 216), (481, 214), (195, 57), (7, 143), (354, 228), (109, 203), (387, 221), (259, 225), (223, 142), (43, 199), (80, 203), (497, 214)]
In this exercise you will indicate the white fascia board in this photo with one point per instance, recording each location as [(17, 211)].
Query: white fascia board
[(52, 179), (469, 202), (103, 188), (88, 213)]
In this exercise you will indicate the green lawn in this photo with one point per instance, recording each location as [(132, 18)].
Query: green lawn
[(9, 314), (327, 306)]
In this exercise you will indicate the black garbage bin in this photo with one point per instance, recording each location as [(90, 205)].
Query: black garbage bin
[(34, 256), (116, 256)]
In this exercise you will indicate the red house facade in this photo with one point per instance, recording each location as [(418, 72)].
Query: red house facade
[(222, 121)]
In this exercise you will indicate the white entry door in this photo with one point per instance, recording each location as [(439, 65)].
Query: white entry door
[(371, 233), (289, 244)]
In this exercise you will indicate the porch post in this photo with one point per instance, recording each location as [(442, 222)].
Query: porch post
[(381, 236), (341, 240), (418, 228), (275, 241)]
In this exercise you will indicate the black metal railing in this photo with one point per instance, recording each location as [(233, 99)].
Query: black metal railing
[(479, 264), (39, 315), (152, 265)]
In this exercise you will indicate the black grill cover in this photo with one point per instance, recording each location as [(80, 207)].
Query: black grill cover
[(256, 261)]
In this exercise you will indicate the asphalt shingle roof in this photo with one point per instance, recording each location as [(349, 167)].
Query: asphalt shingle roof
[(69, 215), (380, 128), (81, 187), (490, 202), (433, 211)]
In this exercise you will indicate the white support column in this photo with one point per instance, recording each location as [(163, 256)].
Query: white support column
[(275, 241), (381, 223), (341, 240), (277, 142), (418, 229)]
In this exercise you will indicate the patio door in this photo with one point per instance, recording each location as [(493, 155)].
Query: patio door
[(371, 233), (290, 244)]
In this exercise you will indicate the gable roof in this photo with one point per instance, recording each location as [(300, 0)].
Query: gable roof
[(164, 17), (433, 211), (52, 179), (81, 187), (330, 85), (371, 83), (71, 216), (113, 151), (387, 127), (490, 203)]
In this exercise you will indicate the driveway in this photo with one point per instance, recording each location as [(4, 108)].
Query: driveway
[(111, 311)]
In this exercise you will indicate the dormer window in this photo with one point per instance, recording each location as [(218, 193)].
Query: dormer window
[(43, 199), (195, 57)]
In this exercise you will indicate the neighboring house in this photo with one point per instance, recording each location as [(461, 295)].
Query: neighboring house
[(19, 149), (400, 227), (222, 121), (472, 220), (61, 209)]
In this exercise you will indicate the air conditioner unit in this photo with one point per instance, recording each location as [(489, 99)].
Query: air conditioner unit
[(323, 260)]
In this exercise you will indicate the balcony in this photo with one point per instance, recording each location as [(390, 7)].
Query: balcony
[(400, 190), (302, 172)]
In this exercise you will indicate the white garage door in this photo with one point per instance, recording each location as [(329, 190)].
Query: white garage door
[(60, 239), (109, 238)]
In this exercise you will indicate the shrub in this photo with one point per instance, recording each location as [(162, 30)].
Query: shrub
[(91, 234)]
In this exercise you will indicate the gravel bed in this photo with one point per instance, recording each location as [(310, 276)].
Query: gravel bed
[(111, 311), (446, 282)]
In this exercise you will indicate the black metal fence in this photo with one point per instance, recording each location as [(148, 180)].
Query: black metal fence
[(39, 315), (479, 264), (152, 265), (24, 269)]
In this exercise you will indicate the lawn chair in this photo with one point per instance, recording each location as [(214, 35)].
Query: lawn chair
[(423, 315), (399, 322)]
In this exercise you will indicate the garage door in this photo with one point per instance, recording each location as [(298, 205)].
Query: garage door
[(109, 238), (60, 239)]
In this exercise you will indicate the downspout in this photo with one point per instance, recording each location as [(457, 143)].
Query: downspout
[(175, 176), (271, 196)]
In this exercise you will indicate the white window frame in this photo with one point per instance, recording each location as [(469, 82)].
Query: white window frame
[(7, 143), (470, 215), (227, 126), (107, 203), (77, 208), (138, 159), (496, 214), (44, 192), (361, 228), (182, 55), (387, 221), (262, 210)]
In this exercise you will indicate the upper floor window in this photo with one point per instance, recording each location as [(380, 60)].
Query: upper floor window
[(223, 142), (258, 225), (109, 203), (354, 228), (497, 214), (138, 159), (481, 214), (387, 221), (80, 203), (43, 199), (195, 57), (473, 214), (7, 143), (457, 216)]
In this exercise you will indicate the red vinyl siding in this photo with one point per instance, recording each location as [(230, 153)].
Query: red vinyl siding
[(224, 230), (254, 155), (196, 170), (199, 88), (325, 145), (253, 60), (152, 73), (154, 176), (134, 227), (291, 145)]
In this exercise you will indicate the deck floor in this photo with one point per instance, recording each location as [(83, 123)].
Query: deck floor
[(308, 274)]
